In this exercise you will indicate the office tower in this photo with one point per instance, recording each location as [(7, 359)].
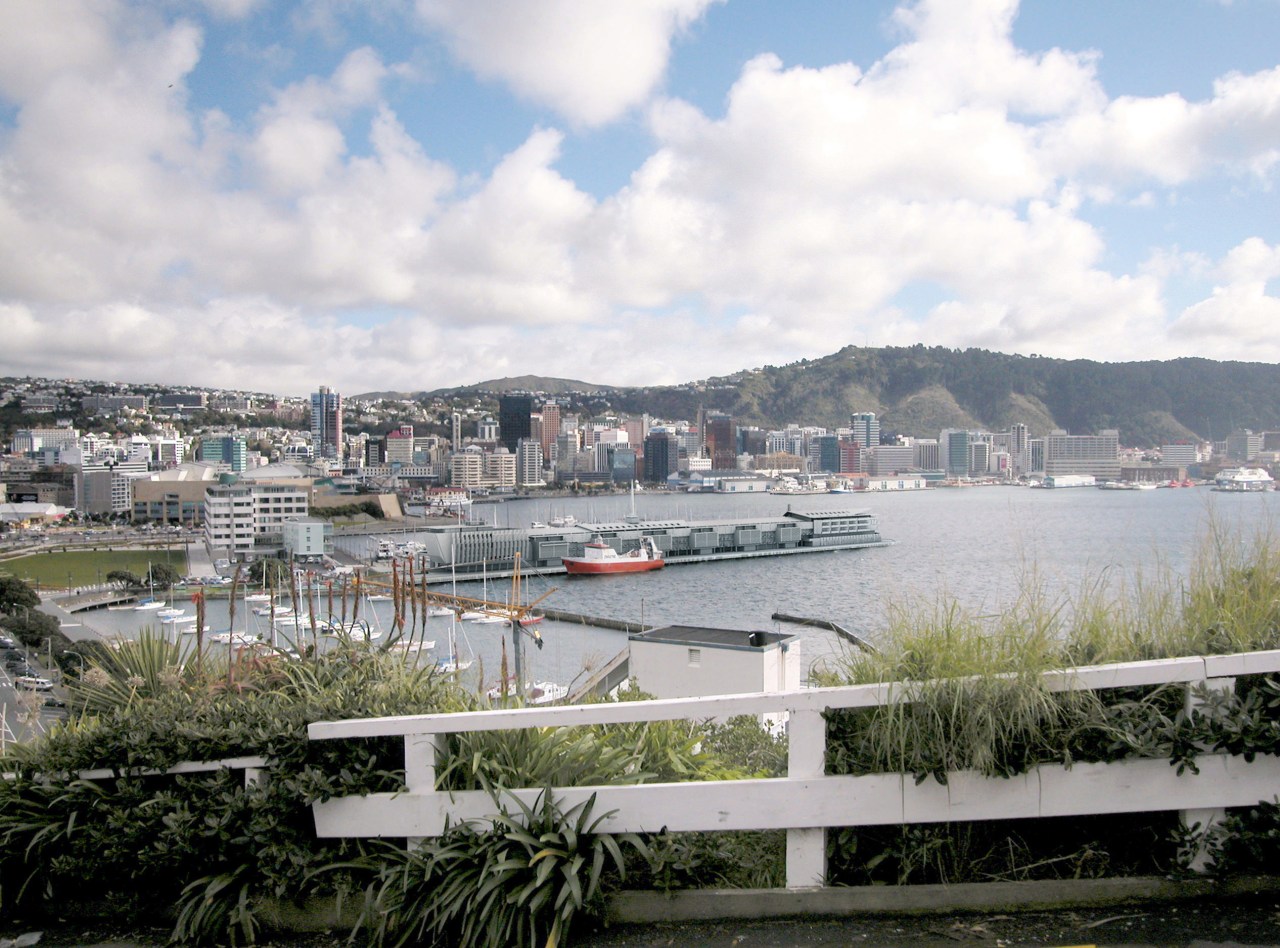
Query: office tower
[(550, 427), (514, 419), (1019, 450), (953, 451), (866, 428), (326, 424), (1098, 454), (529, 463), (721, 440), (661, 456), (230, 450), (398, 446)]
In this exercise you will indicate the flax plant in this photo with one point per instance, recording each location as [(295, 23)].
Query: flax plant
[(138, 669)]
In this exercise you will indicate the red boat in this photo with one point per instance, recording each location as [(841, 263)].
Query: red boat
[(598, 558)]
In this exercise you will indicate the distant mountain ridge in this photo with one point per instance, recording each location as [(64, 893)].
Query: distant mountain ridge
[(920, 390)]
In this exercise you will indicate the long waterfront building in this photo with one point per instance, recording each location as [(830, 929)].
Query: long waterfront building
[(470, 550)]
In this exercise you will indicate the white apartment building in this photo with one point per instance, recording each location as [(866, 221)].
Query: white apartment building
[(475, 468), (529, 463), (245, 520)]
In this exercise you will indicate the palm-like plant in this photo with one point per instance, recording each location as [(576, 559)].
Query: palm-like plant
[(516, 879), (145, 667)]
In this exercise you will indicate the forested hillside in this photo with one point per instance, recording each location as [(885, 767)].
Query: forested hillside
[(920, 390)]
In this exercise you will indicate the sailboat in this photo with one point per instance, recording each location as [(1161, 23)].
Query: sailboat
[(170, 612), (151, 602), (452, 664)]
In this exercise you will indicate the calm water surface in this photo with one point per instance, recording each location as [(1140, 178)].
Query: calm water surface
[(978, 547)]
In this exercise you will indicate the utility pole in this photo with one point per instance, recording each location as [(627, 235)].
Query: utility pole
[(517, 644)]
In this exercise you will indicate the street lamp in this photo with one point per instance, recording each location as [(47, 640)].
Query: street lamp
[(79, 658)]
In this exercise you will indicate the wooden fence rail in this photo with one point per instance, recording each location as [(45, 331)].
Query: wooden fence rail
[(807, 801)]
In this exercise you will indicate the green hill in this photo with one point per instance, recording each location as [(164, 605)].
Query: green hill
[(920, 390)]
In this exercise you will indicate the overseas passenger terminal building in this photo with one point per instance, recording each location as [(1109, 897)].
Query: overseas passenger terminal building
[(472, 550)]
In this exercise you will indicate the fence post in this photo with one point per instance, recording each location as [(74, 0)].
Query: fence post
[(806, 757), (420, 755), (1204, 818)]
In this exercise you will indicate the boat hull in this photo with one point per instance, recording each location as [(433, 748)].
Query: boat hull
[(577, 567)]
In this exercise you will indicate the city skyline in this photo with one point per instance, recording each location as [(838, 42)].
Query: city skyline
[(248, 195)]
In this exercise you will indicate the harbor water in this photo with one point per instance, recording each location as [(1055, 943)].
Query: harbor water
[(979, 547)]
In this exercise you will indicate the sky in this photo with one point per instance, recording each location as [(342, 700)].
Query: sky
[(416, 194)]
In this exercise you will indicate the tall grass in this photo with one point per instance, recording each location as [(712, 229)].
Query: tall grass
[(975, 697)]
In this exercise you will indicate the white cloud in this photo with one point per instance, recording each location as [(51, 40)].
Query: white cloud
[(1168, 140), (1240, 318), (588, 60), (938, 195)]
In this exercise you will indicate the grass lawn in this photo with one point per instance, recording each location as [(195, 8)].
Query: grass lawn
[(88, 567)]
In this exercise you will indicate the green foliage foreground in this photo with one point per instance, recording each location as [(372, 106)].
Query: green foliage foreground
[(210, 851)]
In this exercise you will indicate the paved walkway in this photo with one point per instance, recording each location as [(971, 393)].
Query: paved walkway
[(1225, 924), (1234, 923)]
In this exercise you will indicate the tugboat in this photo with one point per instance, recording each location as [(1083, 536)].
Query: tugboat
[(598, 557)]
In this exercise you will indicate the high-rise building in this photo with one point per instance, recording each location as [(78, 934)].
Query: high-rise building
[(398, 446), (550, 427), (886, 459), (326, 424), (1243, 445), (1180, 453), (1098, 454), (825, 454), (721, 439), (1019, 453), (661, 456), (230, 450), (866, 428), (953, 451), (514, 419), (529, 463)]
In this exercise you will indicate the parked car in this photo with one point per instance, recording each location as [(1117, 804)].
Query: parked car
[(53, 701), (6, 642), (33, 683)]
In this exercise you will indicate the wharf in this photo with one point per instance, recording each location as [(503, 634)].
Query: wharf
[(474, 550)]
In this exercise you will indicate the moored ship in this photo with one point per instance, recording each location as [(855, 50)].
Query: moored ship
[(1238, 479), (599, 558), (468, 550)]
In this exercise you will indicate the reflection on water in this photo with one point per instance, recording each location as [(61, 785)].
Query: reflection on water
[(979, 547)]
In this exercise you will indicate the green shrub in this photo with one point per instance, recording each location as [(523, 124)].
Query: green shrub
[(517, 879)]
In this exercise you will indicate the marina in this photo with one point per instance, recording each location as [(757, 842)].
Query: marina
[(981, 549)]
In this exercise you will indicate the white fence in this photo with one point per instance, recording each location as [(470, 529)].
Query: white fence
[(807, 801)]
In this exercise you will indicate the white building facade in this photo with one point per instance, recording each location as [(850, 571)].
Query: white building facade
[(245, 520)]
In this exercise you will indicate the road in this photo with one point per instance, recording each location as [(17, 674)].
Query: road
[(23, 716)]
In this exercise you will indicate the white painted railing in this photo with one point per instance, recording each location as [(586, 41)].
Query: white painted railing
[(807, 801)]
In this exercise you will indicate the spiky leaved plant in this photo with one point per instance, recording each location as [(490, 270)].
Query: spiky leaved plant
[(520, 878)]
